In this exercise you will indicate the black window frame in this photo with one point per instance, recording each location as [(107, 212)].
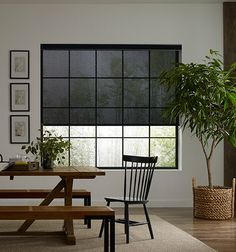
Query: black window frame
[(97, 47)]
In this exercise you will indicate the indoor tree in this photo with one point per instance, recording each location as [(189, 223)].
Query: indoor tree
[(205, 101)]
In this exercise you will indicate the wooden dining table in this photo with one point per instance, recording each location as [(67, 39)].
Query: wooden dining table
[(67, 175)]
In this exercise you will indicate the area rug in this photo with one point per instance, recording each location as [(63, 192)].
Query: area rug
[(168, 238)]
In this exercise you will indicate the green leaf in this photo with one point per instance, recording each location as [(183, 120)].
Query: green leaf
[(232, 139)]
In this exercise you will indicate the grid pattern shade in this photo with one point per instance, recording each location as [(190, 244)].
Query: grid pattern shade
[(105, 84)]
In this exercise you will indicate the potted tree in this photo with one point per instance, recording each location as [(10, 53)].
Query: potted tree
[(205, 101), (49, 147)]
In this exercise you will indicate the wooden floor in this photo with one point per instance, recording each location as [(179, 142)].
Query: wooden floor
[(220, 235)]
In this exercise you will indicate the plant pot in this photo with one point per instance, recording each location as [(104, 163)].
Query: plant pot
[(47, 163), (215, 203)]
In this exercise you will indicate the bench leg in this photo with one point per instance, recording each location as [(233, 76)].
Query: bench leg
[(112, 234), (87, 221), (106, 235), (102, 226)]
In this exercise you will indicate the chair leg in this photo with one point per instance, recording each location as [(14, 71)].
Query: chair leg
[(127, 222), (101, 229), (148, 221), (103, 223)]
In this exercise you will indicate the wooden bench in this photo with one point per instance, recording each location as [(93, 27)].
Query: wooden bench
[(63, 212), (42, 193)]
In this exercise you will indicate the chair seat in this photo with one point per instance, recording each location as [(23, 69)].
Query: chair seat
[(129, 200)]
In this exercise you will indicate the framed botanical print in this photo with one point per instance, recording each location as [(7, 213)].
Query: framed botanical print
[(19, 97), (19, 129), (19, 64)]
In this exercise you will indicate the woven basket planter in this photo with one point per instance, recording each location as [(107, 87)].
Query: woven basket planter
[(216, 203)]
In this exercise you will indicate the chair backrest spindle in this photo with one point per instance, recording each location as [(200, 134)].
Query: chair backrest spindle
[(125, 178)]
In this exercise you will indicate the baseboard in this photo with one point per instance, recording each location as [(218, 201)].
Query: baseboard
[(171, 203), (156, 203), (153, 203)]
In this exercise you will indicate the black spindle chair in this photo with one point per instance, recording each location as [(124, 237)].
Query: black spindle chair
[(138, 173)]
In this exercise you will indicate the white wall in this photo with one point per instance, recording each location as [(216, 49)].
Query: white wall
[(198, 27)]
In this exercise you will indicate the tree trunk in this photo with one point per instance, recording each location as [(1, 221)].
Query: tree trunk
[(208, 161)]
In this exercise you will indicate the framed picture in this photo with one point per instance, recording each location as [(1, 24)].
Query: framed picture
[(19, 129), (19, 97), (19, 64)]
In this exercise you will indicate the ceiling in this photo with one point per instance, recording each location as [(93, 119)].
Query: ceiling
[(106, 1)]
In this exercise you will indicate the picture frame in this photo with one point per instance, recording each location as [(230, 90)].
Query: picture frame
[(19, 97), (19, 64), (19, 129)]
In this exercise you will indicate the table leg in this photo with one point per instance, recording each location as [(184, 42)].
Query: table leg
[(68, 223), (50, 197)]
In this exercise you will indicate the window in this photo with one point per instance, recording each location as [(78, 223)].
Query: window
[(108, 101)]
